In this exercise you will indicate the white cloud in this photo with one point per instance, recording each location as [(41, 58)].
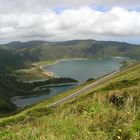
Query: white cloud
[(71, 23), (8, 6)]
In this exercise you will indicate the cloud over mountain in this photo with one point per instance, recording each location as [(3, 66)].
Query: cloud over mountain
[(71, 22), (45, 19)]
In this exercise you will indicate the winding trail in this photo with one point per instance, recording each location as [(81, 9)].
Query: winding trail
[(81, 91)]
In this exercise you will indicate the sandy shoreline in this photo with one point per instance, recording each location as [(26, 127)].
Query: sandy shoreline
[(51, 74)]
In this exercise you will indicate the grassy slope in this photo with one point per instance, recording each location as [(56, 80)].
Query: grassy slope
[(10, 87), (109, 111), (6, 107)]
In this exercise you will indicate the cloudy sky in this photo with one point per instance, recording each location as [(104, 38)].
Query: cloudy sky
[(58, 20)]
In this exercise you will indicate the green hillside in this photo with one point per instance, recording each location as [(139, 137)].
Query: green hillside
[(6, 107), (111, 110), (10, 87), (33, 51)]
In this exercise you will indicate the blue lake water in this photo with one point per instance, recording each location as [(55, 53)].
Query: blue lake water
[(80, 70)]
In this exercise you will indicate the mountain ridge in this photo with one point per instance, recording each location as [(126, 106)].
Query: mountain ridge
[(69, 41), (34, 51)]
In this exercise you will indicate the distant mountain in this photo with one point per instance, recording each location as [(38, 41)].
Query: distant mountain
[(20, 54), (18, 44)]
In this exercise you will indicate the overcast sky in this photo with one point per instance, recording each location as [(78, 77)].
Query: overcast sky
[(59, 20)]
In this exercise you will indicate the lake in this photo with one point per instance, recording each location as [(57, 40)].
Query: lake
[(80, 70)]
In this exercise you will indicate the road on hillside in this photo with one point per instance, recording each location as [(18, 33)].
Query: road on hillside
[(81, 91)]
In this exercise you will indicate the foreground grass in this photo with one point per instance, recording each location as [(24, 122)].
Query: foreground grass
[(111, 110)]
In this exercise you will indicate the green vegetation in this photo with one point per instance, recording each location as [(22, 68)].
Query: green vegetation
[(54, 81), (91, 80), (108, 111), (6, 107), (32, 73), (8, 60), (111, 110), (121, 84), (10, 87), (31, 52)]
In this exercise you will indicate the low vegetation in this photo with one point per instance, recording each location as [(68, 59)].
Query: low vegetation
[(33, 51), (10, 87), (54, 81), (6, 107), (34, 72), (111, 110)]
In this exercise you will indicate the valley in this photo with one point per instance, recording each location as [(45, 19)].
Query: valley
[(69, 70), (72, 82), (107, 110), (79, 69), (31, 52)]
